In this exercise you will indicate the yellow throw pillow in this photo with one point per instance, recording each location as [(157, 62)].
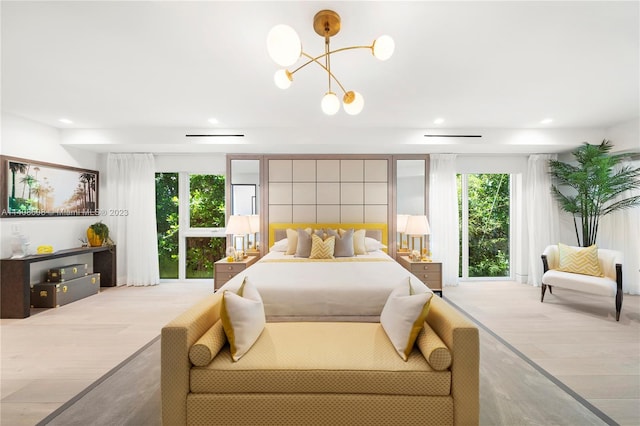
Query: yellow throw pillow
[(242, 318), (403, 316), (579, 260), (322, 249), (208, 346)]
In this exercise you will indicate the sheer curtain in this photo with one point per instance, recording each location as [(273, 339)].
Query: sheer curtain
[(443, 215), (131, 210), (541, 213), (621, 231)]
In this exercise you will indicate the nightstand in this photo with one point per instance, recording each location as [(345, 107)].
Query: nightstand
[(430, 273), (224, 270)]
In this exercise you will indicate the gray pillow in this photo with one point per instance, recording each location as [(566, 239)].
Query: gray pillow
[(344, 243), (304, 242)]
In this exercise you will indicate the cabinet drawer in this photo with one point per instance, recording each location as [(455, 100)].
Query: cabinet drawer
[(428, 276), (221, 278), (425, 267), (434, 284), (230, 267)]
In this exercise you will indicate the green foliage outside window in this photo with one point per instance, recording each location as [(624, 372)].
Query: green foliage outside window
[(206, 210), (488, 196), (167, 203)]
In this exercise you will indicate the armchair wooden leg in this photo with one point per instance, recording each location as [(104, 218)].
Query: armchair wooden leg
[(618, 305), (550, 289), (544, 288)]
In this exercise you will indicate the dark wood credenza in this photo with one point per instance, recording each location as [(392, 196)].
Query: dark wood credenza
[(15, 286)]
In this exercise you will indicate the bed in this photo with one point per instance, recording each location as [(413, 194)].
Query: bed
[(342, 289)]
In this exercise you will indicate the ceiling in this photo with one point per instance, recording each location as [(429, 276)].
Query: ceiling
[(173, 65)]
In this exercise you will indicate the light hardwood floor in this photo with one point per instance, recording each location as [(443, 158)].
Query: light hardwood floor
[(573, 336), (50, 357), (54, 354)]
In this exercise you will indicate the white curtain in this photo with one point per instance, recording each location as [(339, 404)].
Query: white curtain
[(621, 231), (541, 213), (443, 215), (131, 213)]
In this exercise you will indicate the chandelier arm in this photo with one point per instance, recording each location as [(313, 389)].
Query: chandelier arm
[(342, 49), (327, 60), (312, 59)]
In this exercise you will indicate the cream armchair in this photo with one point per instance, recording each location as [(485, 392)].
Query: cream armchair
[(608, 285)]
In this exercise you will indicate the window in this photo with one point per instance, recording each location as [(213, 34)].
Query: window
[(167, 202), (190, 214), (485, 219)]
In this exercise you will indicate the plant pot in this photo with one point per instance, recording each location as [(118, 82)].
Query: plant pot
[(94, 239)]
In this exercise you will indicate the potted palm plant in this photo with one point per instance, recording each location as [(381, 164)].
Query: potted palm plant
[(97, 234), (593, 187)]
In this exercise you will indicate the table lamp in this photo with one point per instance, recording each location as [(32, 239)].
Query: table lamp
[(401, 224), (238, 226), (417, 227)]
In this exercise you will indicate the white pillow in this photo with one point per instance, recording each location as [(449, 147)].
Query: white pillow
[(359, 246), (281, 245), (371, 244), (242, 317), (403, 316)]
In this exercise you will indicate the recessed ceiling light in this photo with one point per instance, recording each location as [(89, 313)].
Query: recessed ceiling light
[(65, 121), (438, 121), (213, 120), (546, 121)]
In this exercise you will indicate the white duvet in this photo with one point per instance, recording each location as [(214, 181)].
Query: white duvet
[(294, 288)]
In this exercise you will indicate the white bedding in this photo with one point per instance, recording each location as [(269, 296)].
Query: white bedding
[(342, 289)]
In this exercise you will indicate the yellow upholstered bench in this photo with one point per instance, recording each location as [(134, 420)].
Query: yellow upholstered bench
[(323, 373)]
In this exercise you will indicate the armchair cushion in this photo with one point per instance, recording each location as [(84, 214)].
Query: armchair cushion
[(586, 283)]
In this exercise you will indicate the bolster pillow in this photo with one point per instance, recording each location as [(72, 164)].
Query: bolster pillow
[(433, 349), (208, 345)]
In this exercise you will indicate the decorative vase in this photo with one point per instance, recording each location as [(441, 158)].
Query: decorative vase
[(94, 239)]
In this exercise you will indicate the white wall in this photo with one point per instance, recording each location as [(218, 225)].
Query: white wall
[(34, 141), (625, 136), (213, 164)]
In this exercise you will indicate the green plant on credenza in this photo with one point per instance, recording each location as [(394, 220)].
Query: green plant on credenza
[(594, 187), (97, 234)]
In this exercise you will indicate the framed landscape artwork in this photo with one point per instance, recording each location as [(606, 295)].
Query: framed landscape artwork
[(36, 189)]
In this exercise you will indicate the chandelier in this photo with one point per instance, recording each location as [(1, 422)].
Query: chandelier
[(285, 48)]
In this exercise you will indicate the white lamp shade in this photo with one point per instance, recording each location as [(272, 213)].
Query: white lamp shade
[(238, 225), (355, 107), (383, 47), (254, 223), (402, 222), (283, 45), (282, 79), (330, 103), (417, 225)]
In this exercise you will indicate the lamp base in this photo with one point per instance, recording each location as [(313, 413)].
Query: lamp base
[(326, 23)]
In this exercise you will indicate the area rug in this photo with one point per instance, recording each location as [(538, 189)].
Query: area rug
[(513, 391)]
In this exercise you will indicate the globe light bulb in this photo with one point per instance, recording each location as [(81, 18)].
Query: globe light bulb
[(283, 45), (383, 47), (330, 103), (353, 103), (283, 79)]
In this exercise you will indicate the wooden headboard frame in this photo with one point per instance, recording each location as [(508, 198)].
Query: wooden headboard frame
[(375, 228)]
